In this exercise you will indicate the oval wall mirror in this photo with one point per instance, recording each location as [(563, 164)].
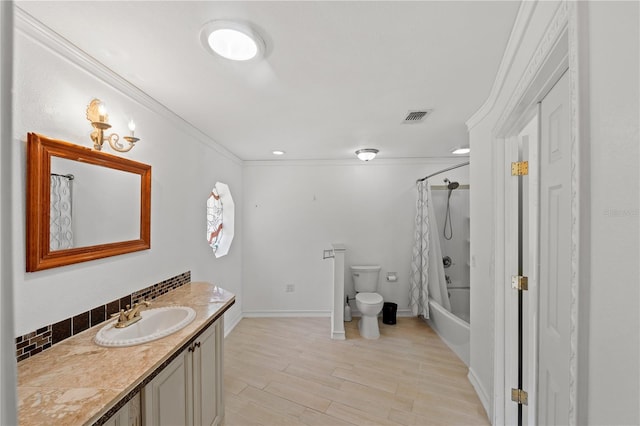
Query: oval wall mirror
[(220, 218)]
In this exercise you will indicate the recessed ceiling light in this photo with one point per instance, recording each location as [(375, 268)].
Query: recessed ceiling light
[(461, 151), (278, 152), (233, 40), (367, 154)]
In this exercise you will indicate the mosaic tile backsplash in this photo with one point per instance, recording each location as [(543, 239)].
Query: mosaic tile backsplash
[(47, 336)]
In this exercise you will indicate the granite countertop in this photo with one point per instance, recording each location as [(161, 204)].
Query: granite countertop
[(77, 382)]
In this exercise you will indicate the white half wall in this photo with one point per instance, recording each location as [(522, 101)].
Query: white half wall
[(296, 209), (54, 82)]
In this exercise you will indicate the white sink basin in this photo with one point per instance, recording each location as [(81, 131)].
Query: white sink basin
[(155, 324)]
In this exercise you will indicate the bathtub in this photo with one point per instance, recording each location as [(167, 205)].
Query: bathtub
[(452, 329)]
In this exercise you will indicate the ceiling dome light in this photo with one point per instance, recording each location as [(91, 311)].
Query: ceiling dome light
[(461, 151), (367, 154), (232, 40), (278, 152)]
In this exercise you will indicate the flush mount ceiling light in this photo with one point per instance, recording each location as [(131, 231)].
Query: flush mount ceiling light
[(461, 151), (233, 40), (367, 154), (278, 152)]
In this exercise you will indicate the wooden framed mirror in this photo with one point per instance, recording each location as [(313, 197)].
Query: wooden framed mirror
[(83, 204)]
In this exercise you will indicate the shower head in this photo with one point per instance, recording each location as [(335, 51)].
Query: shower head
[(451, 185)]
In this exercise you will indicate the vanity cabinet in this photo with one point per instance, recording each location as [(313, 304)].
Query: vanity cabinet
[(189, 390), (128, 415)]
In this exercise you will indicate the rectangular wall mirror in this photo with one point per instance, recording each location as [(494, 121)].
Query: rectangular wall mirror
[(83, 204)]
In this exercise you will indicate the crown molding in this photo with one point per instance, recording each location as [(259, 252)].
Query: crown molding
[(42, 34), (417, 161), (523, 18)]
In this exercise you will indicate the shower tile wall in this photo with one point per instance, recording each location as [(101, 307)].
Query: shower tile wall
[(458, 247)]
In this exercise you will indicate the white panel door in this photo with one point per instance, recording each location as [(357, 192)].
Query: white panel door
[(554, 255)]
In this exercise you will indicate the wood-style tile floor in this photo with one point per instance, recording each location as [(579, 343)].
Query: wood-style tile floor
[(287, 371)]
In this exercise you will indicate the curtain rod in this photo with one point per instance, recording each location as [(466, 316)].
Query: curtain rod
[(69, 176), (442, 171)]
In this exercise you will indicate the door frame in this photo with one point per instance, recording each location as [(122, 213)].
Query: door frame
[(511, 224), (562, 47)]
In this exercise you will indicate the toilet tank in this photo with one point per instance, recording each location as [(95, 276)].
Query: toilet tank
[(365, 278)]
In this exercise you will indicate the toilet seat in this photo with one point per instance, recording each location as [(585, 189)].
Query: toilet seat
[(369, 298)]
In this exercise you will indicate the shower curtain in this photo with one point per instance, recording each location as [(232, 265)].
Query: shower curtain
[(61, 235), (427, 272)]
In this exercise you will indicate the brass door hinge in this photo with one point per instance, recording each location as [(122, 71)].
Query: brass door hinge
[(519, 283), (520, 168), (519, 396)]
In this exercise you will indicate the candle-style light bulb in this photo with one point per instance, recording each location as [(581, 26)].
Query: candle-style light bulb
[(102, 112), (132, 126)]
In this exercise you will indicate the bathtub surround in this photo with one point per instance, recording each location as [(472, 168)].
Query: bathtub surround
[(448, 300), (458, 247), (454, 331), (43, 338)]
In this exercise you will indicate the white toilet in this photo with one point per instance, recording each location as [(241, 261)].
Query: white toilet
[(369, 303)]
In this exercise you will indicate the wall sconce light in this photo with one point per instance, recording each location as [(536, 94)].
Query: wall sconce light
[(97, 115), (367, 154)]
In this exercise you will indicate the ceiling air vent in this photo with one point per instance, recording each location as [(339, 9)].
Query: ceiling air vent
[(416, 116)]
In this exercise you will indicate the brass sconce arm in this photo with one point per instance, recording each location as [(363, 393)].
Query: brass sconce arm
[(96, 114)]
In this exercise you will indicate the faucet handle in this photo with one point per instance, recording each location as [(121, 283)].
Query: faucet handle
[(121, 316)]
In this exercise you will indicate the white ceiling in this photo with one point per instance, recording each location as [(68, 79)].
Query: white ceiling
[(338, 76)]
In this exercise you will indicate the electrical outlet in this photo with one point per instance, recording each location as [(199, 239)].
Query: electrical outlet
[(290, 288)]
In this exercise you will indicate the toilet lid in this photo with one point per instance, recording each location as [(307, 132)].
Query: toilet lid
[(369, 298)]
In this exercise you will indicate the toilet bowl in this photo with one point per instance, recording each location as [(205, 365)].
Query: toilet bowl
[(369, 303)]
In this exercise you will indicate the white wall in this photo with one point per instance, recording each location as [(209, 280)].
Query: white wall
[(52, 90), (614, 354), (8, 406), (486, 230), (295, 210), (612, 378), (482, 274)]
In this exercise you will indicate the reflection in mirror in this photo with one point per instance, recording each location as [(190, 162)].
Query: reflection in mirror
[(98, 206), (61, 216), (83, 204)]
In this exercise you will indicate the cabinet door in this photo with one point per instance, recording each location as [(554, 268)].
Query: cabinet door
[(120, 418), (205, 385), (128, 415), (167, 397), (220, 369)]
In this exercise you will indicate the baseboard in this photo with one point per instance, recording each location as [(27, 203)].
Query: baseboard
[(404, 313), (482, 393), (231, 323), (285, 314), (338, 335)]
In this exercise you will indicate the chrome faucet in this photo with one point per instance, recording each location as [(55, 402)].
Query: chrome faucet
[(130, 316)]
